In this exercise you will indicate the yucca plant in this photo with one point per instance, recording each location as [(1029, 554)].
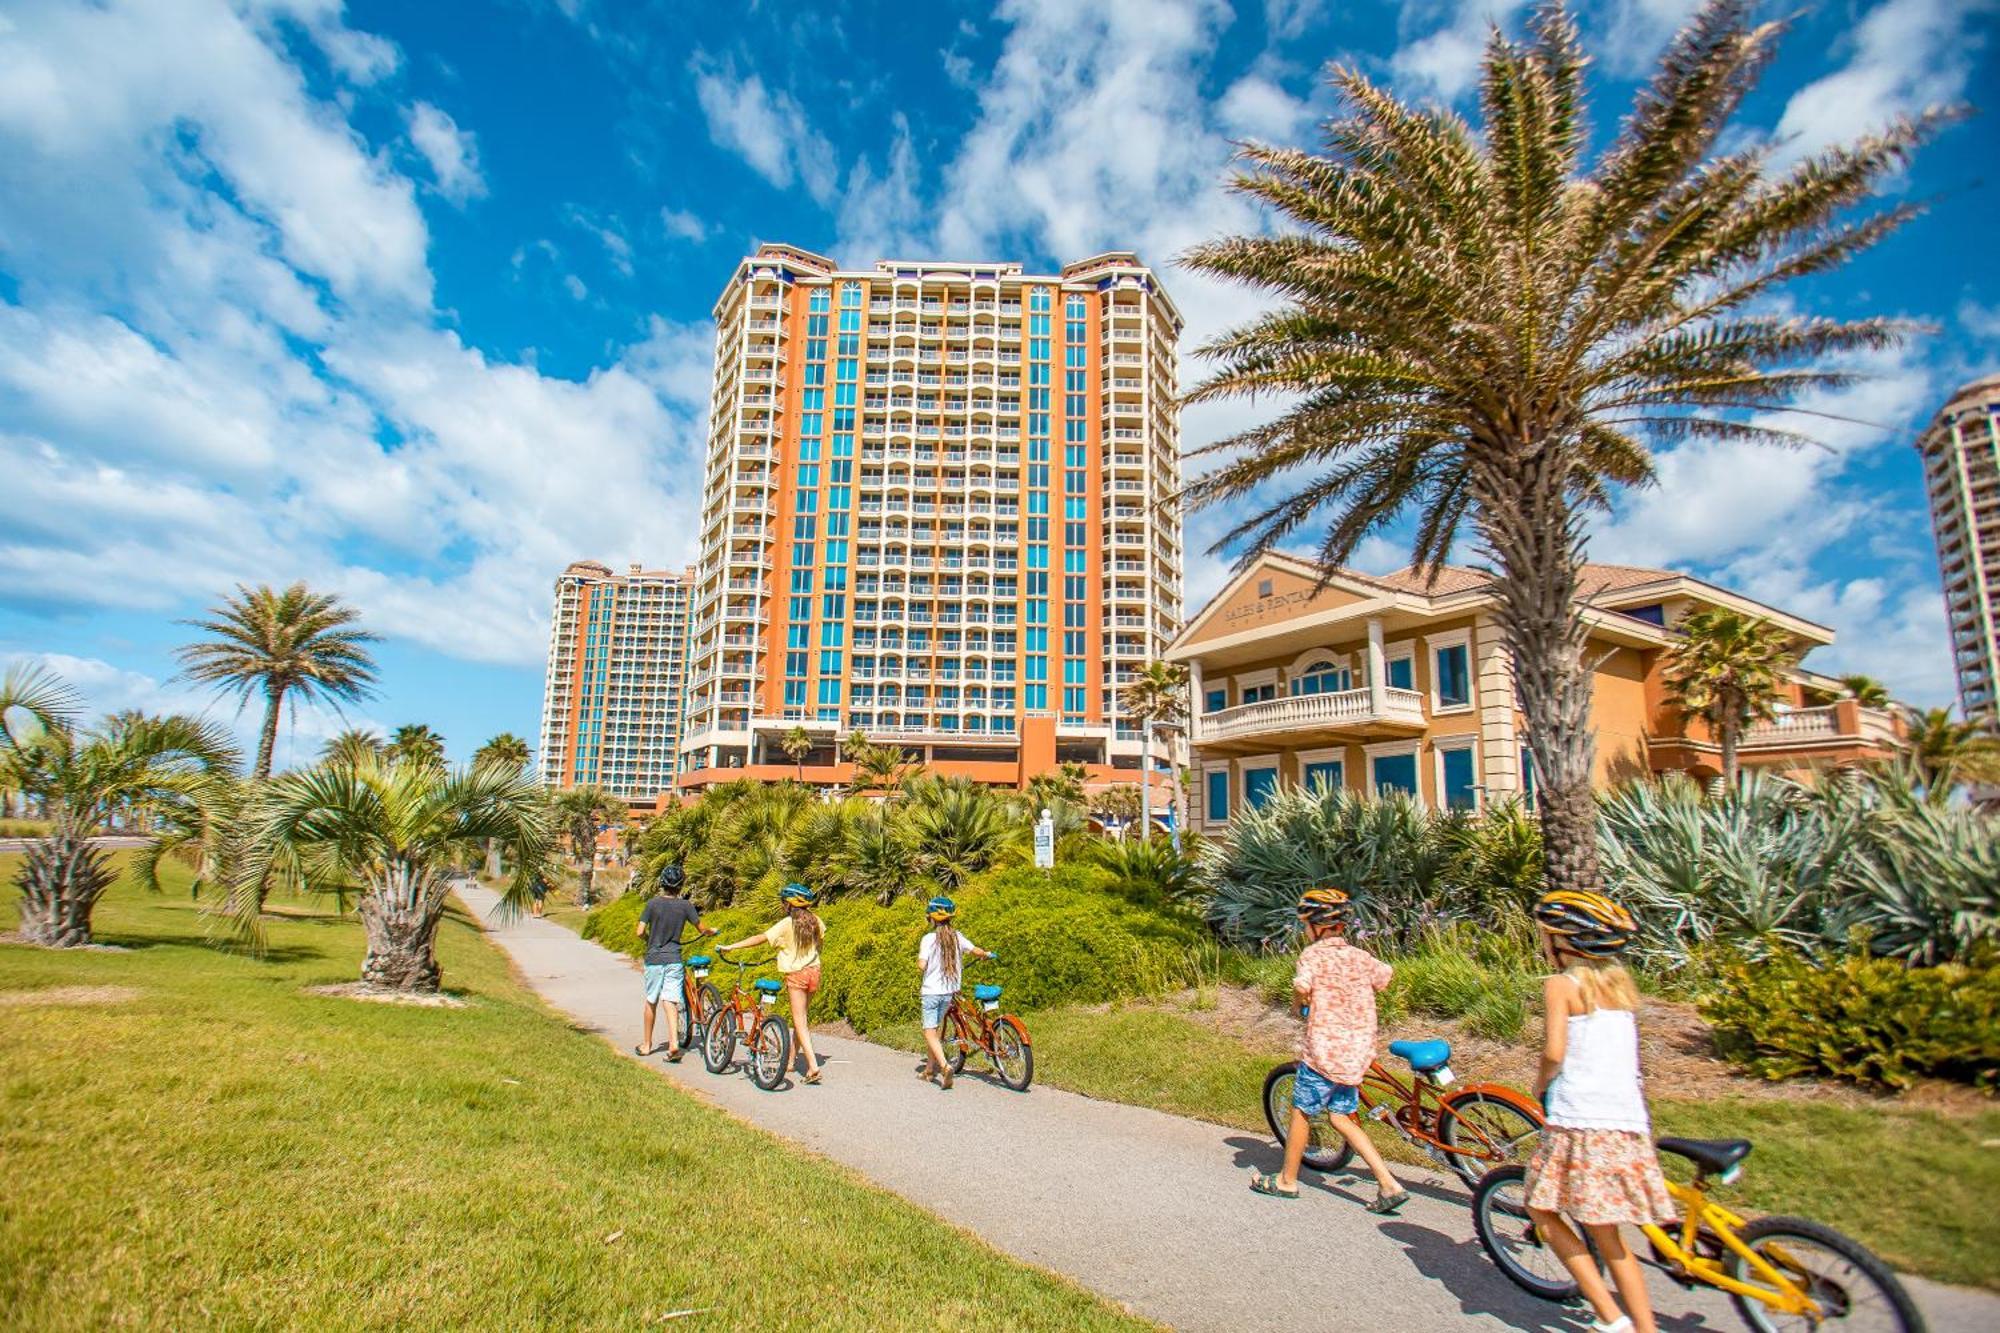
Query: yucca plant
[(956, 828), (1926, 887), (1148, 870)]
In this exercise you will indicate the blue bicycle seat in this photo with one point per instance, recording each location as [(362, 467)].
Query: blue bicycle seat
[(1423, 1056), (700, 960), (985, 993), (769, 986)]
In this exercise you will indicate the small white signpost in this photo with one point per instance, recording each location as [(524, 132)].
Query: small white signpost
[(1045, 841)]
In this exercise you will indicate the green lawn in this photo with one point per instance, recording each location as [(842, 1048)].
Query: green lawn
[(221, 1149), (1916, 1186)]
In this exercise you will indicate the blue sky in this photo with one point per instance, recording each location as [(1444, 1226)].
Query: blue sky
[(411, 301)]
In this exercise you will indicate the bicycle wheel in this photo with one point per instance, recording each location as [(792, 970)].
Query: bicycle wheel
[(771, 1053), (1840, 1276), (1326, 1150), (708, 1003), (958, 1042), (1480, 1131), (718, 1041), (1500, 1216), (1013, 1058)]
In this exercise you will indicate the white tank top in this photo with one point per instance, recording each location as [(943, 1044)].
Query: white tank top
[(1598, 1085)]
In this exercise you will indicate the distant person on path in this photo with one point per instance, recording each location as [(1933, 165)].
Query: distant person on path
[(941, 955), (1596, 1161), (665, 915), (538, 889), (1335, 984), (797, 940)]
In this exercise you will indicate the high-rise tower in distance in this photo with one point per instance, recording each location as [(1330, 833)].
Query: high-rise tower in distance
[(611, 704), (938, 509), (1961, 450)]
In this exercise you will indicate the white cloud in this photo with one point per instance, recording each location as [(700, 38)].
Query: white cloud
[(451, 152), (881, 217), (1255, 107), (1445, 60), (766, 128), (1907, 54), (1980, 322), (1630, 34), (683, 225)]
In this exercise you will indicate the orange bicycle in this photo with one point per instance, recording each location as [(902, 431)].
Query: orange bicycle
[(767, 1035), (1471, 1131), (700, 1000), (1002, 1038)]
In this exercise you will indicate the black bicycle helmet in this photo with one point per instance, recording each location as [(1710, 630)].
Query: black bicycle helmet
[(671, 877), (1325, 907)]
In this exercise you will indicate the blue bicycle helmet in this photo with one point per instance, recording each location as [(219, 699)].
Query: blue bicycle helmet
[(940, 909), (671, 877), (793, 895)]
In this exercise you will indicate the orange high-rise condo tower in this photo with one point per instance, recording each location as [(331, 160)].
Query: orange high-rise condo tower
[(611, 704), (939, 509), (1961, 450)]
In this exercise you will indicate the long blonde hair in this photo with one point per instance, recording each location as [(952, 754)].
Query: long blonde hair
[(1601, 983), (806, 929), (947, 950)]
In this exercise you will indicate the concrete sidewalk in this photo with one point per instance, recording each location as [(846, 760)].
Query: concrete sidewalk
[(1150, 1210)]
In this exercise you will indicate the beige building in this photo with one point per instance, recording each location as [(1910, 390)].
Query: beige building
[(1395, 682), (936, 510), (611, 702), (1961, 450)]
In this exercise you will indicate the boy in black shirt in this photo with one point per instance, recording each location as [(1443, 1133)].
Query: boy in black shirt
[(661, 922)]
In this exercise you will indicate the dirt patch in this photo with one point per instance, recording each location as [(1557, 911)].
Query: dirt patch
[(50, 996), (356, 990)]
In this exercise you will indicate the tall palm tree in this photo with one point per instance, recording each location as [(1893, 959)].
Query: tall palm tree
[(295, 643), (350, 747), (1477, 325), (1158, 698), (82, 779), (415, 740), (1728, 669), (403, 827), (797, 744), (1866, 691), (883, 768), (506, 749), (1948, 750), (1058, 786), (580, 812)]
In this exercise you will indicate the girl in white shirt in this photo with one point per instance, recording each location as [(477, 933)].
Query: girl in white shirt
[(941, 954), (1596, 1163)]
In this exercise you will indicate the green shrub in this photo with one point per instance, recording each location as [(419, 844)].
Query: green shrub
[(1867, 1020), (1064, 936)]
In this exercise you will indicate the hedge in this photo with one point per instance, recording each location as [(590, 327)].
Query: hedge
[(1064, 936)]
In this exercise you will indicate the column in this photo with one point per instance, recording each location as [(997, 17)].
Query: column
[(1499, 743), (1378, 669)]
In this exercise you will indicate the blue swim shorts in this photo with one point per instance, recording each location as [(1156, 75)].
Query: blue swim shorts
[(663, 981), (1316, 1094)]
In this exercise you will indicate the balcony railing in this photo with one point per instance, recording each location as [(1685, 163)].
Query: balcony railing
[(1310, 712), (1813, 726)]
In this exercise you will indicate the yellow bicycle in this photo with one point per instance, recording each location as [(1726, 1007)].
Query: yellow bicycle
[(1781, 1273)]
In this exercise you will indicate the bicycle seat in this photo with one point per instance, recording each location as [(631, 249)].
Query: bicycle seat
[(1718, 1156), (769, 986), (700, 960), (985, 993), (1423, 1056)]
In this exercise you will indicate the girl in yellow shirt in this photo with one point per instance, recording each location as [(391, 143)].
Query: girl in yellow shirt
[(797, 939)]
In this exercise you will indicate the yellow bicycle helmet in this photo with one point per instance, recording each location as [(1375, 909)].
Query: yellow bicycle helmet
[(1587, 923), (1324, 907)]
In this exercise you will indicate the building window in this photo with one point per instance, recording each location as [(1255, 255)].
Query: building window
[(1218, 794), (1393, 772), (1214, 701), (1256, 694), (1453, 676), (1325, 776), (1259, 786), (1528, 777), (1455, 778), (1323, 678), (1402, 673)]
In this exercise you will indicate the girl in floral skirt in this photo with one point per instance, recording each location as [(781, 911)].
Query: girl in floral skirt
[(1596, 1163)]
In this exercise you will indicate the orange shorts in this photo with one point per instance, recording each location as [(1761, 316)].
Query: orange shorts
[(805, 979)]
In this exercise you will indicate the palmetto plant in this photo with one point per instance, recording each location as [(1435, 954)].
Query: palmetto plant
[(293, 643), (1478, 325), (578, 815), (1866, 690), (1147, 869), (83, 778), (416, 741), (403, 827), (351, 747), (956, 828), (1728, 669), (878, 858), (1059, 786)]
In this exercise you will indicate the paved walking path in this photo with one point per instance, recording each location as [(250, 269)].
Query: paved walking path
[(1147, 1209)]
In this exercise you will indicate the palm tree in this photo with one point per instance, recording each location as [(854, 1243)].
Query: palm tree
[(1119, 804), (797, 744), (1866, 691), (956, 828), (82, 779), (1728, 670), (415, 740), (296, 642), (580, 812), (403, 826), (351, 747), (1948, 750), (882, 768), (1158, 698), (1058, 786), (507, 749), (1476, 326)]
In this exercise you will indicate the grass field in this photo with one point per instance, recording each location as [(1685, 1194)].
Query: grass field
[(191, 1140), (1916, 1186)]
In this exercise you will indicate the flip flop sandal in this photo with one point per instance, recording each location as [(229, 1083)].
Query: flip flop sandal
[(1389, 1203), (643, 1053), (1267, 1183), (674, 1057), (814, 1076)]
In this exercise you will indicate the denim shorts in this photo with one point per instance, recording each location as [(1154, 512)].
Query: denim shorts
[(935, 1008), (1315, 1094), (663, 982)]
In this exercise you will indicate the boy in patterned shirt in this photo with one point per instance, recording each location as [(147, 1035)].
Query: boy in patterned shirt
[(1335, 985)]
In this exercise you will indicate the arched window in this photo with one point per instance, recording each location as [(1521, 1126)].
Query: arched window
[(1322, 677)]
